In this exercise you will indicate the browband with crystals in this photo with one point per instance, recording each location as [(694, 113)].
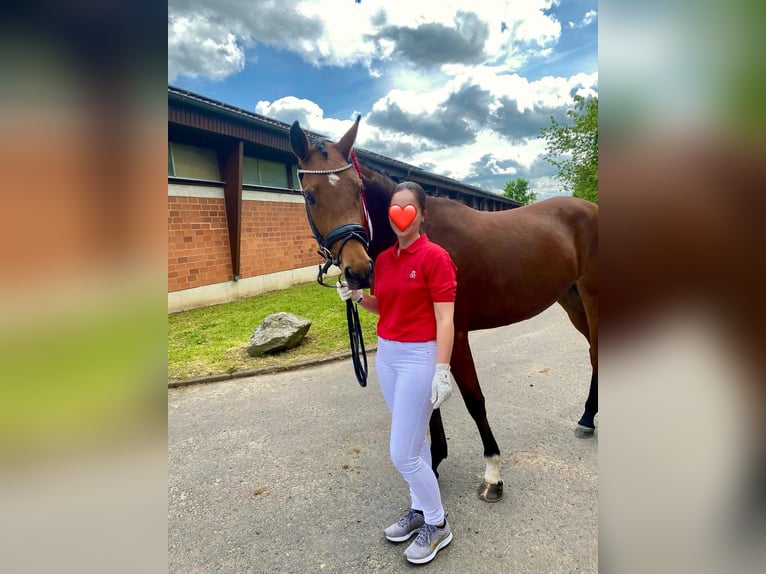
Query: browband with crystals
[(326, 171)]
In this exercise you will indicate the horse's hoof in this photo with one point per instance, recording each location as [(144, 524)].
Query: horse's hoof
[(490, 492), (584, 432)]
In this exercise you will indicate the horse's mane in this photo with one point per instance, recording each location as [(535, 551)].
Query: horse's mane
[(377, 182), (378, 190), (379, 187)]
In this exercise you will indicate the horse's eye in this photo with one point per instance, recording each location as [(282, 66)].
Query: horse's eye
[(311, 199)]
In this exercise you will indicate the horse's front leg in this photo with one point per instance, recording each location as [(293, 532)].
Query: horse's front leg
[(438, 440), (464, 371)]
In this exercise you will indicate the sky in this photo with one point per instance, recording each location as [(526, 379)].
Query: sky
[(459, 88)]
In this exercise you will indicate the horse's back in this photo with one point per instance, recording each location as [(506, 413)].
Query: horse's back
[(514, 264), (570, 211)]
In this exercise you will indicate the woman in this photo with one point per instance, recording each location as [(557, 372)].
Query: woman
[(414, 295)]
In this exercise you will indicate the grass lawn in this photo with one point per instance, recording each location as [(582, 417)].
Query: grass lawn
[(212, 340)]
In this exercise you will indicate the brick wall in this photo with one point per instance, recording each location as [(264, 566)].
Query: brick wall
[(198, 242), (275, 237)]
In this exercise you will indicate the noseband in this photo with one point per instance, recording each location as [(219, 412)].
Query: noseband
[(342, 233)]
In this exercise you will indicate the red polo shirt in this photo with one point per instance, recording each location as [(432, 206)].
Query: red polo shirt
[(407, 285)]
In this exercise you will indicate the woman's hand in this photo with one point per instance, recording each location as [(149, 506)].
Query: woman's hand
[(441, 386), (345, 293)]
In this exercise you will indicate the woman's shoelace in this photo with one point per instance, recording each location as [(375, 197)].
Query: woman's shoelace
[(406, 520), (424, 536)]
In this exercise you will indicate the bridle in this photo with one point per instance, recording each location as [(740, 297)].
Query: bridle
[(344, 233)]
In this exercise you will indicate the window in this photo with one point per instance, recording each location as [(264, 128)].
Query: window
[(250, 175), (192, 162), (264, 172), (273, 174)]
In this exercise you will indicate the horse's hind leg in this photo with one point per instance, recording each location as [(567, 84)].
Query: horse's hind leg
[(573, 304), (586, 425), (589, 294), (491, 489)]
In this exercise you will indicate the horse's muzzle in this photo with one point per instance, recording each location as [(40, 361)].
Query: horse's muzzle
[(358, 278)]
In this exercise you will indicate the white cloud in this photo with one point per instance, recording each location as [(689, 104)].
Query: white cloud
[(456, 161), (342, 39), (207, 39), (289, 109), (546, 187), (547, 92), (199, 47), (455, 117), (411, 102), (307, 112), (588, 19)]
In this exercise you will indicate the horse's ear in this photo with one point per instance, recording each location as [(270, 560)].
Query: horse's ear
[(299, 142), (344, 144)]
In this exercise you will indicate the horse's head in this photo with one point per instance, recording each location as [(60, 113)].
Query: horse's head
[(332, 191)]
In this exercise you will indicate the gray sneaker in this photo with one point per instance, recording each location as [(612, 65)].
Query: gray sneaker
[(408, 525), (430, 540)]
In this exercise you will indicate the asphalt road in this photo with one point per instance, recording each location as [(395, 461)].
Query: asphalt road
[(290, 472)]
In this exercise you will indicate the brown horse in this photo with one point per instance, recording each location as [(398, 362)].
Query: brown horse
[(527, 259)]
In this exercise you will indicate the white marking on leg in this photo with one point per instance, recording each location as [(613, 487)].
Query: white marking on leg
[(334, 179), (492, 473)]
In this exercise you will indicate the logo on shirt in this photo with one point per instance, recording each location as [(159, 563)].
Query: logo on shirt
[(410, 275)]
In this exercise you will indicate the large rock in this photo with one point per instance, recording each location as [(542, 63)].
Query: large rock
[(278, 332)]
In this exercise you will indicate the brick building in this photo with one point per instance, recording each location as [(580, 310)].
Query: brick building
[(236, 222)]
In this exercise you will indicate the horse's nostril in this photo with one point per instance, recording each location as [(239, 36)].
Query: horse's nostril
[(358, 280)]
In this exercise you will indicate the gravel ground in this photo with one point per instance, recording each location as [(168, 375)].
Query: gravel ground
[(289, 472)]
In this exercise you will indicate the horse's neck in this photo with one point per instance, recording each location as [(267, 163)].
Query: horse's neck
[(378, 194)]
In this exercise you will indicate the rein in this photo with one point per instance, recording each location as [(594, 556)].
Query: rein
[(344, 233)]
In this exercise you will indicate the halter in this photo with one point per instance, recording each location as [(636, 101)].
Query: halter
[(342, 233)]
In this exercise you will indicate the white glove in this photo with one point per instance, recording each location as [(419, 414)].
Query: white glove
[(441, 386), (345, 293)]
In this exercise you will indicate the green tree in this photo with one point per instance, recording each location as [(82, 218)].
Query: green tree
[(573, 149), (518, 190)]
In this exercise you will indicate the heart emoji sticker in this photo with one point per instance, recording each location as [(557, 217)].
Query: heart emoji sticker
[(402, 216)]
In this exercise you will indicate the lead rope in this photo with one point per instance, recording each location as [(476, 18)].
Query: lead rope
[(356, 340)]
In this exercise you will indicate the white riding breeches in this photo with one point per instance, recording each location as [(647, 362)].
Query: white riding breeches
[(405, 372)]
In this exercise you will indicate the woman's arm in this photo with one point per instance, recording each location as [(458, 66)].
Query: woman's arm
[(445, 331), (370, 303)]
